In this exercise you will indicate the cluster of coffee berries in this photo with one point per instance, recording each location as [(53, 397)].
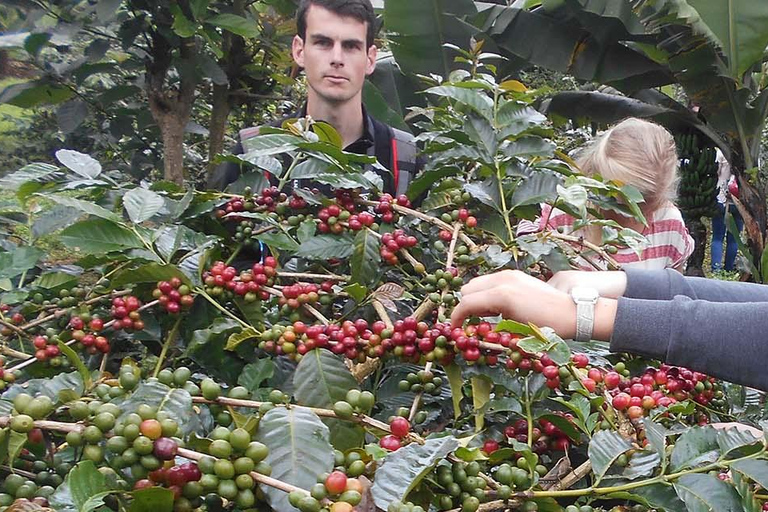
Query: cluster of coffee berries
[(295, 295), (391, 243), (331, 218), (423, 381), (545, 437), (92, 343), (352, 464), (173, 295), (181, 479), (356, 402), (26, 410), (385, 210), (226, 470), (462, 486), (126, 315), (400, 428), (660, 387), (358, 221), (45, 349), (6, 377), (345, 492), (441, 284), (24, 493), (459, 215), (15, 319)]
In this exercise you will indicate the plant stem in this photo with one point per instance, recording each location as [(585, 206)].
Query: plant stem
[(528, 415), (287, 176), (304, 275), (221, 308), (234, 254), (419, 395), (168, 342)]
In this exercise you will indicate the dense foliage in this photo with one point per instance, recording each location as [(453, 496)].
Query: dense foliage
[(285, 344)]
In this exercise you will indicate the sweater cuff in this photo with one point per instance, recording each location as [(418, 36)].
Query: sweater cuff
[(633, 333), (648, 284)]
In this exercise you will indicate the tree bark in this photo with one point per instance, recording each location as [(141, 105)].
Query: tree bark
[(751, 204), (171, 107), (698, 232), (220, 108)]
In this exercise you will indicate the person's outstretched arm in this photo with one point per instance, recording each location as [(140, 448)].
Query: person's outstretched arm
[(659, 285), (726, 340)]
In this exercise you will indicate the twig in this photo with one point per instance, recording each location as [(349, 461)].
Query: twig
[(12, 327), (58, 426), (417, 398), (8, 351), (316, 314), (382, 312), (612, 264), (323, 413), (21, 472), (58, 313), (168, 342), (426, 218), (304, 275)]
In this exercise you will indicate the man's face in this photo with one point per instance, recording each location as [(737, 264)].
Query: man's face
[(334, 55)]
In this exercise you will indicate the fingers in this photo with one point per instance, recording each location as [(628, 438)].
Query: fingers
[(484, 283), (475, 304)]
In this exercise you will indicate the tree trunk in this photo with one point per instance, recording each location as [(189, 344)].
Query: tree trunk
[(220, 108), (698, 231), (172, 129), (752, 207)]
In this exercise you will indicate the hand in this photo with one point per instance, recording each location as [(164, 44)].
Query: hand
[(517, 296), (609, 284)]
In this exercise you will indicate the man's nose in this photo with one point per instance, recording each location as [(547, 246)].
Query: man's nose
[(337, 55)]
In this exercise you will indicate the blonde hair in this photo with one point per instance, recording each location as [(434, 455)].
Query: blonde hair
[(638, 153)]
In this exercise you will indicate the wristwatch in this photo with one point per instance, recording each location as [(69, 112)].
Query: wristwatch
[(585, 299)]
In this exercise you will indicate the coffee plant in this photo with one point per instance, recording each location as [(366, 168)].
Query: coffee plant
[(284, 345)]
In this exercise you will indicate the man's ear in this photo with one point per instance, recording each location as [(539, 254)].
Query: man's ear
[(297, 50), (371, 64)]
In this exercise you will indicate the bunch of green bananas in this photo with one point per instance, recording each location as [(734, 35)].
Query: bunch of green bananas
[(697, 195)]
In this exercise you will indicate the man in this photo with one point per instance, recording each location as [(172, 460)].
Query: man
[(335, 47)]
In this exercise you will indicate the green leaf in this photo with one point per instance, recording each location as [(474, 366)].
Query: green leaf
[(237, 338), (365, 261), (97, 236), (514, 327), (55, 280), (641, 464), (16, 442), (36, 172), (453, 372), (326, 247), (696, 446), (754, 469), (579, 404), (182, 25), (71, 114), (54, 388), (177, 402), (86, 482), (79, 163), (744, 488), (149, 273), (532, 345), (657, 438), (321, 379), (604, 448), (574, 196), (504, 404), (327, 133), (563, 424), (84, 206), (235, 24), (154, 499), (142, 204), (279, 241), (207, 349), (402, 470), (30, 94), (732, 439), (704, 493), (356, 291), (475, 100), (420, 30), (255, 373), (299, 450), (18, 260), (481, 394), (252, 311), (75, 360)]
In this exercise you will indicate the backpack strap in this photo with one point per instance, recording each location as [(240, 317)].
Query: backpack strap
[(404, 159)]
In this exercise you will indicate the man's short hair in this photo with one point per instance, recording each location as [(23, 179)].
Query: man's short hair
[(361, 10)]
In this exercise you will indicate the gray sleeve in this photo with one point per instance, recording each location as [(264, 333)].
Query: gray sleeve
[(727, 340), (666, 284)]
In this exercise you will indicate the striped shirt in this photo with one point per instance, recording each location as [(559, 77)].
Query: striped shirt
[(668, 243)]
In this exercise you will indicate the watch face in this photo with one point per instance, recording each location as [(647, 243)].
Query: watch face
[(581, 293)]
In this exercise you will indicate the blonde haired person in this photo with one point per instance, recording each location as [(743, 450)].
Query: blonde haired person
[(642, 154)]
